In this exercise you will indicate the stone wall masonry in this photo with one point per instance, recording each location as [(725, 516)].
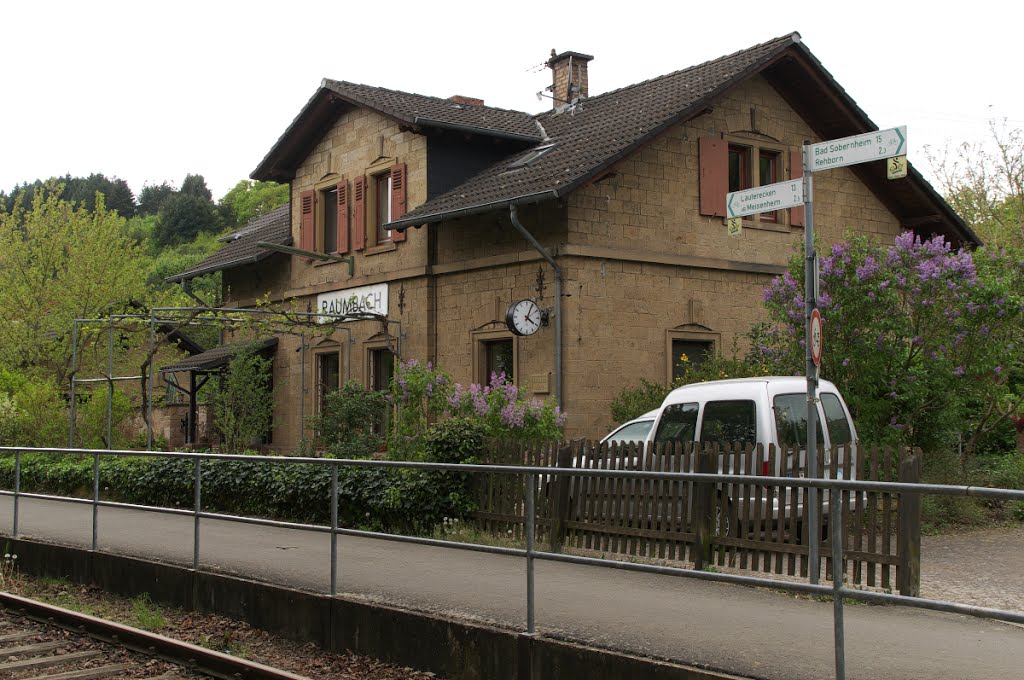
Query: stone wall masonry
[(347, 150)]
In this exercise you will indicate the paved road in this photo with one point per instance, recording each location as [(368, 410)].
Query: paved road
[(750, 632)]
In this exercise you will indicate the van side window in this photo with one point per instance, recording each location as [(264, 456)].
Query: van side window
[(678, 423), (791, 420), (838, 426), (726, 422)]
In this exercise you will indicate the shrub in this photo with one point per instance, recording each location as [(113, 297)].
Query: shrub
[(505, 413), (345, 423), (632, 402), (91, 419), (242, 403)]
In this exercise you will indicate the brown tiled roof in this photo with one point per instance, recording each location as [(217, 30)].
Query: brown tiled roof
[(424, 111), (415, 110), (241, 249), (608, 127), (603, 130), (216, 357)]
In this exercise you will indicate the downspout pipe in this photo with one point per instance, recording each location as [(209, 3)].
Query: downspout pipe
[(514, 216)]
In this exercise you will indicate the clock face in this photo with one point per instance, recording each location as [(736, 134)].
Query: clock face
[(523, 317)]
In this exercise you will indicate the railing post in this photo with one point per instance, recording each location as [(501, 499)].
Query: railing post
[(838, 574), (197, 489), (95, 499), (908, 530), (531, 519), (17, 490), (334, 529), (562, 483), (703, 511)]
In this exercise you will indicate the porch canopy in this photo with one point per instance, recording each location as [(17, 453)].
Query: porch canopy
[(206, 364)]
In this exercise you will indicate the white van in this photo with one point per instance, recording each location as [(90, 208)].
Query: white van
[(769, 410)]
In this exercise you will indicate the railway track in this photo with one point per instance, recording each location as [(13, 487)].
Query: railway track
[(41, 641)]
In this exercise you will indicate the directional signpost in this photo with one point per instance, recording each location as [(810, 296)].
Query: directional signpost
[(765, 198), (884, 145), (873, 146)]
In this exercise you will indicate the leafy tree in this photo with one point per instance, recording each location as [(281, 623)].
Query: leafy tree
[(117, 194), (59, 262), (242, 401), (183, 217), (985, 184), (195, 185), (922, 340), (249, 199), (153, 196)]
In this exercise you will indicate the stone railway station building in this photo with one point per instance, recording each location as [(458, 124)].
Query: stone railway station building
[(453, 210)]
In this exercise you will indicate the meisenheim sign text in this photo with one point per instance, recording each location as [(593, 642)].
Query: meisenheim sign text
[(872, 146), (766, 198), (362, 300)]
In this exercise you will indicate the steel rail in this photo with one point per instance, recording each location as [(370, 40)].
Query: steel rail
[(184, 654)]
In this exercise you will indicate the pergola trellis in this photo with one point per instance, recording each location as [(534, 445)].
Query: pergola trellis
[(168, 320)]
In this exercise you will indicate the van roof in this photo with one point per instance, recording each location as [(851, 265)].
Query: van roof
[(744, 386)]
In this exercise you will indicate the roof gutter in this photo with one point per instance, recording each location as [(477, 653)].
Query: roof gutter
[(526, 199), (177, 278), (513, 215)]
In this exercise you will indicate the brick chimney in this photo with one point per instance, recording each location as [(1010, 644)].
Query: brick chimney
[(466, 100), (568, 77)]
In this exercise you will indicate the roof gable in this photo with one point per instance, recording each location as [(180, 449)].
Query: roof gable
[(419, 112)]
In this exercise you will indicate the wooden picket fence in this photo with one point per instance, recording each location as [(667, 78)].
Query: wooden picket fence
[(755, 527)]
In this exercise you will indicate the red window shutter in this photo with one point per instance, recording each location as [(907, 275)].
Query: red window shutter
[(397, 198), (714, 175), (343, 216), (307, 224), (796, 171), (359, 214)]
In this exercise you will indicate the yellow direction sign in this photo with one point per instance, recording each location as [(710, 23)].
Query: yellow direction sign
[(734, 226), (896, 167)]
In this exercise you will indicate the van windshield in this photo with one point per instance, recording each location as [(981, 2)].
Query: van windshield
[(838, 426), (728, 422), (791, 420), (678, 423)]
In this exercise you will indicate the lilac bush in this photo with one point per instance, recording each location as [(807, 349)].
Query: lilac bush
[(505, 412), (424, 394), (921, 339)]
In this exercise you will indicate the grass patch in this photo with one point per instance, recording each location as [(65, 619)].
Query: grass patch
[(147, 615)]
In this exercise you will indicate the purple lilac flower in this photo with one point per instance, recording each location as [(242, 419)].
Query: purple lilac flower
[(998, 370), (846, 361), (959, 371)]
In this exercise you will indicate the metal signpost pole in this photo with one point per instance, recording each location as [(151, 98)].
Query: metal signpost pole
[(810, 304)]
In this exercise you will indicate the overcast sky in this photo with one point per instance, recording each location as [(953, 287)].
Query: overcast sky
[(151, 91)]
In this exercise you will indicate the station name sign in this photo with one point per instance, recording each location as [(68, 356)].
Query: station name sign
[(362, 300)]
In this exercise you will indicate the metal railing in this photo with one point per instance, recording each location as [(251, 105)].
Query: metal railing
[(837, 591)]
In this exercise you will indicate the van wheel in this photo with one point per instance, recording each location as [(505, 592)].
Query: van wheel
[(723, 525)]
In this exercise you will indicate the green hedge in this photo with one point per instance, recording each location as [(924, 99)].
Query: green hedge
[(378, 499)]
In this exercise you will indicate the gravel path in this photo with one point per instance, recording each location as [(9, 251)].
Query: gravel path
[(984, 568)]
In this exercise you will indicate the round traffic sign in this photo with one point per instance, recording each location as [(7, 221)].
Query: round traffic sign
[(816, 337)]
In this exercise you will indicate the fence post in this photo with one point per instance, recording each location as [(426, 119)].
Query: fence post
[(908, 531), (703, 515), (560, 498)]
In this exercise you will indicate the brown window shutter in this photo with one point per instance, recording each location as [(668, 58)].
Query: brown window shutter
[(397, 198), (343, 216), (796, 171), (359, 214), (714, 175), (307, 224)]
